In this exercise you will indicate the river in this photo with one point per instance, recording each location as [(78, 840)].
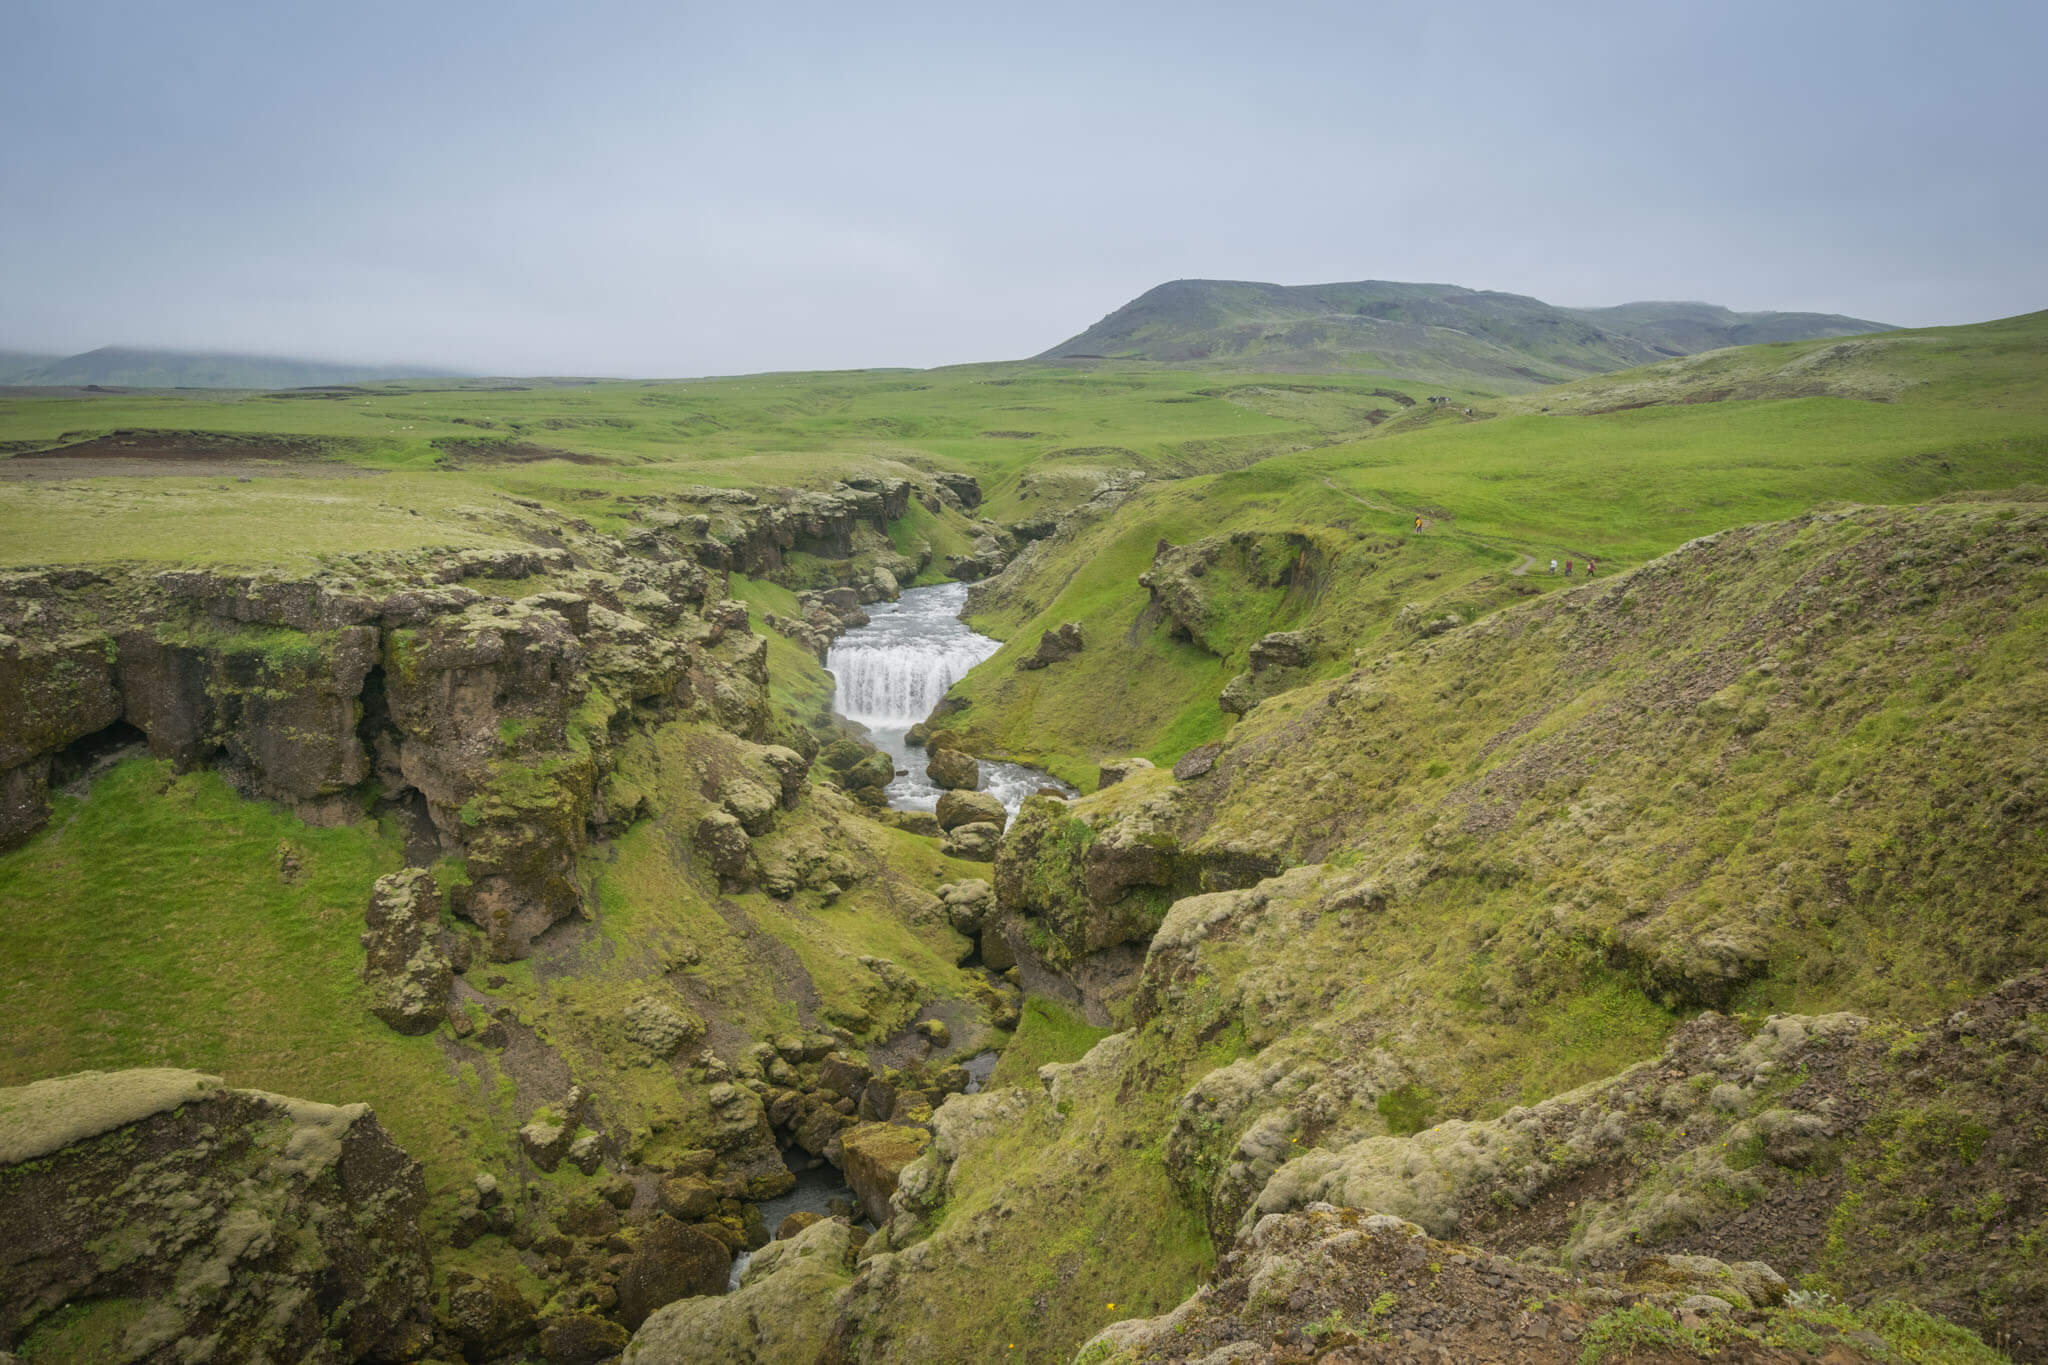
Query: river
[(893, 671)]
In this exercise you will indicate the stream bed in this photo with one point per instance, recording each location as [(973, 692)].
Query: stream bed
[(891, 672)]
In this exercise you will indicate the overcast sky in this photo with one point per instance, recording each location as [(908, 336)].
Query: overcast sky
[(662, 188)]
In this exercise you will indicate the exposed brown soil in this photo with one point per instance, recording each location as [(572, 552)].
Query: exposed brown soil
[(461, 450), (214, 446), (21, 470)]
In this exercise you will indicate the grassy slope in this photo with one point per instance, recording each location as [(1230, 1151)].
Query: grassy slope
[(1971, 412), (1001, 423), (1816, 745)]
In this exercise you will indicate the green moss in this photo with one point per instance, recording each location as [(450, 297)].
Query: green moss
[(1406, 1108), (1047, 1031)]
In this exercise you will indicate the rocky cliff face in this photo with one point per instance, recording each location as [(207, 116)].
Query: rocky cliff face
[(159, 1216), (494, 684)]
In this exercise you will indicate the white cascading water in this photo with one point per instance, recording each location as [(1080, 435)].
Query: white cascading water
[(893, 671)]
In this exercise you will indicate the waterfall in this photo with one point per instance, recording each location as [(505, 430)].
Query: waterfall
[(897, 685), (893, 671)]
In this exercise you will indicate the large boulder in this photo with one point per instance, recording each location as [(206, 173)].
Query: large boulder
[(580, 1339), (1055, 646), (672, 1261), (274, 1228), (489, 1316), (968, 904), (784, 1309), (957, 808), (661, 1026), (953, 770), (872, 1157), (1116, 770), (408, 975), (976, 843), (722, 839)]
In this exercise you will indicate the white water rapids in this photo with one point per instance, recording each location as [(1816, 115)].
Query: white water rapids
[(893, 671)]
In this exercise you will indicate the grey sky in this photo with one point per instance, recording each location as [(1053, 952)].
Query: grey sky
[(615, 187)]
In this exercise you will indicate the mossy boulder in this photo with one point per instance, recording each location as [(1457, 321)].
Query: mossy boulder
[(873, 1157), (671, 1261), (976, 842), (784, 1309), (408, 975), (487, 1315), (953, 770), (278, 1228), (581, 1339), (957, 808)]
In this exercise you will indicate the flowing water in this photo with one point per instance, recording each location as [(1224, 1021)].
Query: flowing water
[(893, 671), (890, 674), (816, 1191)]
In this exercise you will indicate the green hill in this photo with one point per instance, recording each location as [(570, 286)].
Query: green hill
[(133, 367), (1695, 911), (1482, 338), (1621, 468), (15, 364)]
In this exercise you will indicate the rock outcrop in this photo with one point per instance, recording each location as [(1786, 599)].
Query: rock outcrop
[(962, 807), (404, 966), (1276, 662), (873, 1157), (1055, 646), (784, 1307), (179, 1214), (1348, 1284)]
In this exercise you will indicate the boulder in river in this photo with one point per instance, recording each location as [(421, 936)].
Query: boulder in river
[(957, 808), (673, 1261), (785, 1306), (873, 1156), (953, 770)]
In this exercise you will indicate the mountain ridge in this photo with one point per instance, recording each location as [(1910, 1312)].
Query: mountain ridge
[(142, 367), (1488, 339)]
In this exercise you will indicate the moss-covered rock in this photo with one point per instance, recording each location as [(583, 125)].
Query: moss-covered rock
[(407, 972), (275, 1228), (783, 1310), (873, 1156)]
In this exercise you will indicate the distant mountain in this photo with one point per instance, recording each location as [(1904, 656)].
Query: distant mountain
[(1426, 331), (1689, 328), (16, 363), (134, 368)]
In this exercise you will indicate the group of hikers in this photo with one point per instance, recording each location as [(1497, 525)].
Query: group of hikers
[(1568, 564)]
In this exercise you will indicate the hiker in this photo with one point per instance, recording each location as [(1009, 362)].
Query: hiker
[(1567, 568), (1590, 562), (1553, 566), (1418, 523)]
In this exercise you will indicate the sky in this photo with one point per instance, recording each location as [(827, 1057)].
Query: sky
[(657, 188)]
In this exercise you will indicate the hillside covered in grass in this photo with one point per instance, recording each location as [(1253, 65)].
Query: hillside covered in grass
[(1457, 336), (1323, 542), (1474, 956)]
